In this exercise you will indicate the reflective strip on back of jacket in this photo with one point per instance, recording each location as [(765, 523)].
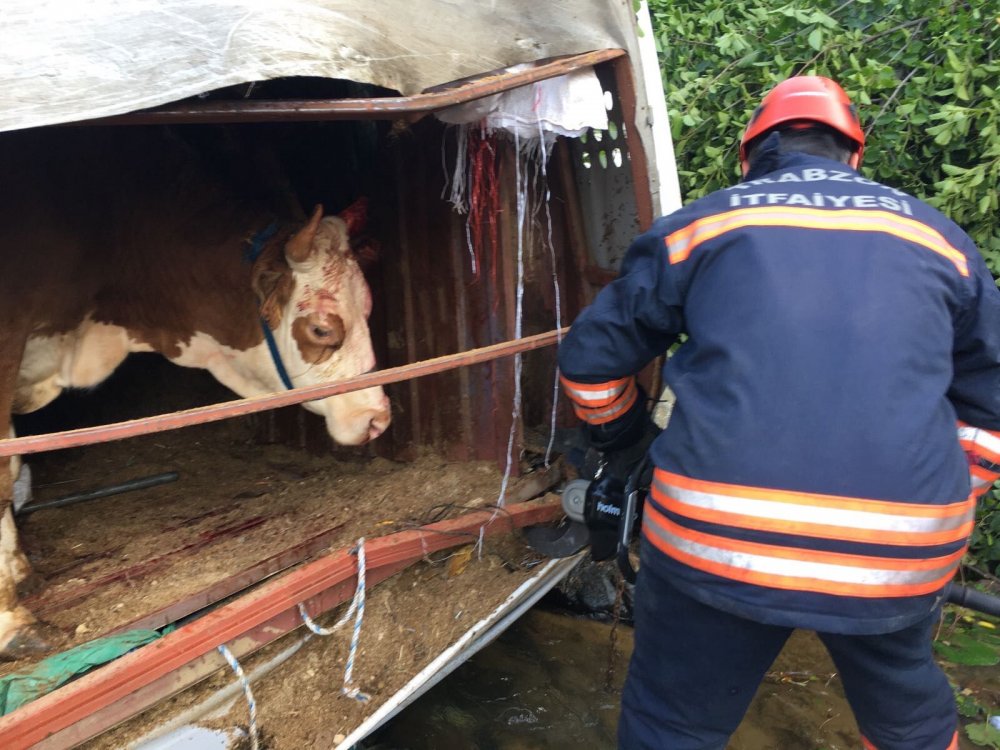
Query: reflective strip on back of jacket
[(811, 474)]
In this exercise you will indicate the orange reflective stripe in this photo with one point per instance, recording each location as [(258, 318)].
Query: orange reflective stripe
[(841, 502), (867, 744), (820, 530), (683, 241), (795, 569), (982, 443), (598, 403), (607, 414), (595, 394), (984, 475), (982, 479)]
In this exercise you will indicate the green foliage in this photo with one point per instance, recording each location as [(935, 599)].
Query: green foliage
[(983, 735), (984, 547), (978, 730), (971, 640), (963, 648), (925, 74), (968, 638)]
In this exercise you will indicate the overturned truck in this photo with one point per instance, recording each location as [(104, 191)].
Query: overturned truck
[(383, 213)]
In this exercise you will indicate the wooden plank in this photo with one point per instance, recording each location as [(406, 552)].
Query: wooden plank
[(242, 407)]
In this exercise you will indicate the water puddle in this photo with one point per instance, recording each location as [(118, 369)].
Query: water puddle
[(539, 685), (551, 681)]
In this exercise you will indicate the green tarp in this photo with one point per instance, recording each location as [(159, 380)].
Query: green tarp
[(23, 687)]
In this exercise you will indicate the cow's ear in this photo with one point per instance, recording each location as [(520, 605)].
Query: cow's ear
[(272, 284), (300, 246), (367, 251), (355, 216)]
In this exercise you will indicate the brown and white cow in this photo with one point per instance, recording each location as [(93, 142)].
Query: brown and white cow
[(118, 241)]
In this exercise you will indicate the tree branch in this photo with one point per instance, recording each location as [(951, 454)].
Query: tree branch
[(897, 27), (893, 95)]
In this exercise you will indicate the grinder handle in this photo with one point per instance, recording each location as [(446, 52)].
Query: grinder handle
[(628, 516)]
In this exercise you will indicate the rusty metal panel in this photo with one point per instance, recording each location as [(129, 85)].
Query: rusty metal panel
[(434, 304), (429, 303)]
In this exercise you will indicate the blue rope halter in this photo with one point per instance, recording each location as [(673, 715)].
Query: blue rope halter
[(257, 244)]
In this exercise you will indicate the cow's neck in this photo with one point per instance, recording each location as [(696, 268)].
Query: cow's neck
[(188, 291), (206, 316)]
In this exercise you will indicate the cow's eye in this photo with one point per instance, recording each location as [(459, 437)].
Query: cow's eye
[(324, 330), (326, 336)]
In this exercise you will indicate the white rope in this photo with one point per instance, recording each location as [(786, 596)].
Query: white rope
[(555, 290), (245, 684), (456, 185), (521, 189), (357, 608), (458, 195)]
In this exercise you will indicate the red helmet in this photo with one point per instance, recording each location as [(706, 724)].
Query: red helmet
[(808, 98)]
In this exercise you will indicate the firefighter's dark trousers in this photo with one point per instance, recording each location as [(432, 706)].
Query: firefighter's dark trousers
[(695, 669)]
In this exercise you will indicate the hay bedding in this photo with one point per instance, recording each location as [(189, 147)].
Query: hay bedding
[(237, 503)]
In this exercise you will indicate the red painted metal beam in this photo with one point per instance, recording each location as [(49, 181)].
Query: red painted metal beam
[(202, 667), (265, 613), (242, 407), (376, 108)]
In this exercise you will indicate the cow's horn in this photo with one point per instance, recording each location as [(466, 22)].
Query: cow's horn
[(299, 247)]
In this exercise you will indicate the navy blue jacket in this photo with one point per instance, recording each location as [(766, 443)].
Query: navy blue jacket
[(836, 331)]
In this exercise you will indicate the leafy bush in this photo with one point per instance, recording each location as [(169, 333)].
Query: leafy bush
[(984, 547), (925, 75)]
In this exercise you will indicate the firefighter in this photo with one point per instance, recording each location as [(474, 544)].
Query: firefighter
[(835, 333)]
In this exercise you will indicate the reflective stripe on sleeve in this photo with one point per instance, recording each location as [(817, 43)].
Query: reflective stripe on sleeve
[(982, 443), (982, 479), (598, 403), (815, 515), (681, 243), (797, 569)]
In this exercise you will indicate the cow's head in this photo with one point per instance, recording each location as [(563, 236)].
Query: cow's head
[(314, 297)]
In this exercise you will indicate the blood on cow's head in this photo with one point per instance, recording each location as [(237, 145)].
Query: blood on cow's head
[(318, 308)]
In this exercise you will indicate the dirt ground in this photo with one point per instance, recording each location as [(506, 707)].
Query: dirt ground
[(235, 503), (106, 562)]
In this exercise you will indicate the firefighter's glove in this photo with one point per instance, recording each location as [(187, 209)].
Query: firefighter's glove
[(623, 432), (624, 454)]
